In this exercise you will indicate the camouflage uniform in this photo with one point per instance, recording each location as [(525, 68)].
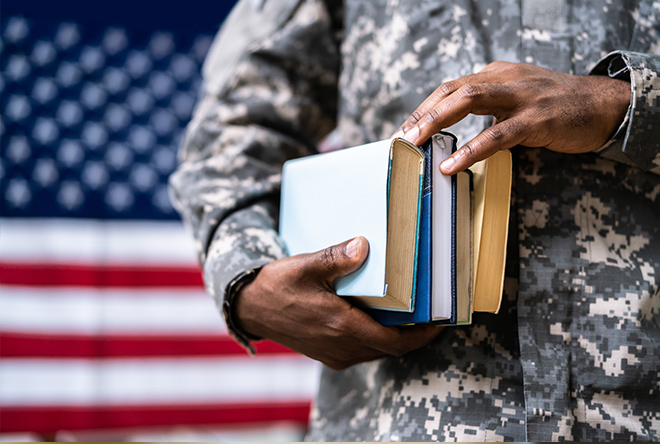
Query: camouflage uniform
[(575, 352)]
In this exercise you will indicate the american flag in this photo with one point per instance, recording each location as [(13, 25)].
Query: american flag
[(104, 322)]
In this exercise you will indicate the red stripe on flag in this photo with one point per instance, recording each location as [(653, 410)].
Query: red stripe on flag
[(121, 276), (46, 420), (26, 345)]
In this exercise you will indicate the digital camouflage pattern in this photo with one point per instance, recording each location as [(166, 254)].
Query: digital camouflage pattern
[(574, 353)]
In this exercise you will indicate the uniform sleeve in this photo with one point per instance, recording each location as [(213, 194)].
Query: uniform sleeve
[(270, 94), (636, 142)]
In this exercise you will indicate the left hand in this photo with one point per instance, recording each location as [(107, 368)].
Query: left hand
[(532, 106)]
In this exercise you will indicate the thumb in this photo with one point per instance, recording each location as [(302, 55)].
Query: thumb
[(339, 260)]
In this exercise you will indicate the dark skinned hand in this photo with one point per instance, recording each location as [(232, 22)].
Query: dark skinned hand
[(292, 302), (532, 106)]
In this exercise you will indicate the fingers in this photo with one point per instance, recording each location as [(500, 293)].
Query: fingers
[(478, 99), (441, 102), (501, 136), (337, 260), (431, 101), (401, 340), (393, 341)]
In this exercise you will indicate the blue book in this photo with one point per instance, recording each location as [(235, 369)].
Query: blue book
[(374, 191)]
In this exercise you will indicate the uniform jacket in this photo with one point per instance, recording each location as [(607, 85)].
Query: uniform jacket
[(575, 351)]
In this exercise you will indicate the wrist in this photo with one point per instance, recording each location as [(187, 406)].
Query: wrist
[(233, 294), (241, 311)]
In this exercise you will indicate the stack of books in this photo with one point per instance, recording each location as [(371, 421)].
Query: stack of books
[(437, 244)]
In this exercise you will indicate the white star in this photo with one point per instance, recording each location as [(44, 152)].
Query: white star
[(69, 113), (182, 103), (182, 67), (45, 172), (115, 80), (94, 175), (161, 85), (119, 197), (139, 102), (141, 139), (70, 153), (138, 64), (45, 130), (118, 156), (70, 195), (91, 58), (16, 29), (68, 74), (17, 67), (161, 199), (143, 178), (18, 149), (18, 108), (92, 96), (18, 193), (44, 90), (164, 160), (43, 53), (163, 122), (116, 117), (94, 135), (67, 35), (201, 47), (114, 40), (161, 44)]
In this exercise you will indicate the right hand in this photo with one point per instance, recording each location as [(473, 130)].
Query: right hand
[(292, 302)]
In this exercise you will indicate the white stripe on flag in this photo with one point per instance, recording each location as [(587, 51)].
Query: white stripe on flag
[(94, 241), (116, 311), (45, 382)]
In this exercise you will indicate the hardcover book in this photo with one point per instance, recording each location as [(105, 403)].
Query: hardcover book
[(374, 191)]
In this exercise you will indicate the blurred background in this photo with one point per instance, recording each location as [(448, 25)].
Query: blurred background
[(106, 332)]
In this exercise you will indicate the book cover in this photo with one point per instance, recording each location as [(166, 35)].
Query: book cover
[(374, 191)]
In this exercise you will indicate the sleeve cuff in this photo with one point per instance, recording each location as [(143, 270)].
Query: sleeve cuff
[(241, 246), (635, 142)]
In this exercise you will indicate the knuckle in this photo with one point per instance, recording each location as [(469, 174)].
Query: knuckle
[(470, 91), (519, 127), (329, 258), (495, 133), (468, 151), (415, 116), (432, 115), (447, 88)]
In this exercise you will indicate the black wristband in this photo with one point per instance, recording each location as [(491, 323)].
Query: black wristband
[(231, 291)]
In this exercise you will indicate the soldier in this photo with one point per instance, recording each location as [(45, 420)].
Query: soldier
[(574, 353)]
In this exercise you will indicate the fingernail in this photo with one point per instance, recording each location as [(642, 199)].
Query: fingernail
[(398, 135), (447, 165), (352, 249), (412, 135)]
